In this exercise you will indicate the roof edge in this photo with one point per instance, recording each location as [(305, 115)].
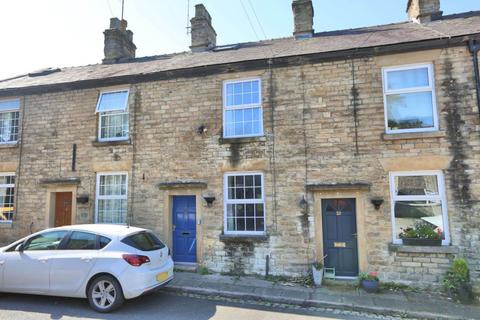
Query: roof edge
[(246, 65)]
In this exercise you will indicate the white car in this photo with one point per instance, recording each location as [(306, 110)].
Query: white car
[(104, 263)]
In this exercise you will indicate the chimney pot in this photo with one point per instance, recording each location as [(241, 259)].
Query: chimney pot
[(303, 18), (119, 46), (203, 35), (422, 11)]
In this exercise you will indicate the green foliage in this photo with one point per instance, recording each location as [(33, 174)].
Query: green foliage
[(421, 230), (457, 275), (203, 270), (318, 265), (372, 276)]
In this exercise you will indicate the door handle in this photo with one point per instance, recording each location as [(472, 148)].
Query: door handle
[(87, 260), (2, 262), (44, 260), (173, 227)]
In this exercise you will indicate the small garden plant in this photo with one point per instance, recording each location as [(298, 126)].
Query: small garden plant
[(422, 230), (371, 276), (318, 265), (457, 281), (369, 281)]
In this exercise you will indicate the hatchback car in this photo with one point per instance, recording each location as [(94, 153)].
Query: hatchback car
[(104, 263)]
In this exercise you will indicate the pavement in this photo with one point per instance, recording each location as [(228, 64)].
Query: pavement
[(420, 305), (162, 305)]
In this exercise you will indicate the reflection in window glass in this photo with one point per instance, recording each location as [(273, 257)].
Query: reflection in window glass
[(45, 241)]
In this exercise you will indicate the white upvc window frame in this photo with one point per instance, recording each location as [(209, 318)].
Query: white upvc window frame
[(17, 110), (440, 197), (102, 114), (430, 88), (242, 106), (110, 197), (243, 201), (9, 185)]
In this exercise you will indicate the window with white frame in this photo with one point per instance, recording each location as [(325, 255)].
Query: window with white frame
[(409, 94), (9, 116), (418, 197), (244, 203), (7, 197), (242, 109), (112, 108), (111, 198)]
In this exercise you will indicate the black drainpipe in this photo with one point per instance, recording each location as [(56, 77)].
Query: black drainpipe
[(474, 48)]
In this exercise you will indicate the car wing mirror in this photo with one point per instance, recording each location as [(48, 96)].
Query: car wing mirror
[(19, 248)]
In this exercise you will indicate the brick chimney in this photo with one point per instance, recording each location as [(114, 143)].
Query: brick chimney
[(422, 11), (302, 18), (204, 36), (119, 46)]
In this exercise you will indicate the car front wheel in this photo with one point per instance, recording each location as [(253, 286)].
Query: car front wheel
[(105, 294)]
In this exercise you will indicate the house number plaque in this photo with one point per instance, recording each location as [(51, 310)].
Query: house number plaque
[(339, 244), (339, 213)]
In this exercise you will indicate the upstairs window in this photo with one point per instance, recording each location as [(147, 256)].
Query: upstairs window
[(112, 198), (7, 197), (242, 109), (112, 108), (244, 204), (409, 94), (9, 115)]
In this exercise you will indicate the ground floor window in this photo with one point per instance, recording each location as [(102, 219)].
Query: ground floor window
[(111, 204), (7, 197), (418, 197), (244, 203)]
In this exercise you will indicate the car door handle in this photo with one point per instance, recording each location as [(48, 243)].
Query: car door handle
[(2, 262), (87, 260), (44, 260)]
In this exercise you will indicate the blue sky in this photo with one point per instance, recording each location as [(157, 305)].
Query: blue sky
[(57, 33)]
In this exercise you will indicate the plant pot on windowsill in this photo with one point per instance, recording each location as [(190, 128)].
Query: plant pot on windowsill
[(422, 242), (317, 271)]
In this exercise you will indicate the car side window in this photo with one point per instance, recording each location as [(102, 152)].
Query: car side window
[(104, 241), (45, 241), (81, 241)]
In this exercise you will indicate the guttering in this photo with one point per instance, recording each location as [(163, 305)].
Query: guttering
[(474, 49)]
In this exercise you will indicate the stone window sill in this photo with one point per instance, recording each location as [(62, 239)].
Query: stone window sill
[(413, 135), (8, 145), (97, 143), (6, 225), (242, 140), (243, 238), (421, 249)]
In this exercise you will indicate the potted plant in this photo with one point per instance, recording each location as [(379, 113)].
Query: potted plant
[(457, 281), (369, 281), (317, 271), (422, 234)]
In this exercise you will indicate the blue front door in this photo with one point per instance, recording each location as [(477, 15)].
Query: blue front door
[(340, 236), (184, 229)]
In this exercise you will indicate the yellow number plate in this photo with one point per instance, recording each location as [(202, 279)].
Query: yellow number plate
[(162, 276)]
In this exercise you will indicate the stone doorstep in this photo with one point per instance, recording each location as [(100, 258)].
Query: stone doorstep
[(385, 304)]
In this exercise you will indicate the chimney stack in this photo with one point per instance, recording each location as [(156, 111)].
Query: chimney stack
[(204, 36), (303, 18), (422, 11), (119, 46)]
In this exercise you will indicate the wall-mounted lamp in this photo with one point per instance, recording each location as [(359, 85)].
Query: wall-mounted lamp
[(82, 199), (202, 129), (303, 203), (377, 202), (209, 200)]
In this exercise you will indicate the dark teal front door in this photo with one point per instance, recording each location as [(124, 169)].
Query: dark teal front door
[(184, 229), (340, 236)]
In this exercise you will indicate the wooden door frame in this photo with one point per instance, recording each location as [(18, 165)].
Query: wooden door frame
[(50, 201), (360, 197)]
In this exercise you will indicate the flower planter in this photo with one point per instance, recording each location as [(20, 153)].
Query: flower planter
[(317, 276), (422, 242), (370, 286)]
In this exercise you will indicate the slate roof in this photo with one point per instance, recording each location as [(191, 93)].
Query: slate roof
[(325, 42)]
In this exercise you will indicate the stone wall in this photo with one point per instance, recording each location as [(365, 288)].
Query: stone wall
[(323, 123)]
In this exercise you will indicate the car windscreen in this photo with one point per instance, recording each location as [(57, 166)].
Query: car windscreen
[(145, 241)]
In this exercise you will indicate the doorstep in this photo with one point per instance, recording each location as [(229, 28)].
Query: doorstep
[(411, 304), (185, 266)]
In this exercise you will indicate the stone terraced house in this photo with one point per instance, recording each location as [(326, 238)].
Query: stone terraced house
[(262, 157)]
